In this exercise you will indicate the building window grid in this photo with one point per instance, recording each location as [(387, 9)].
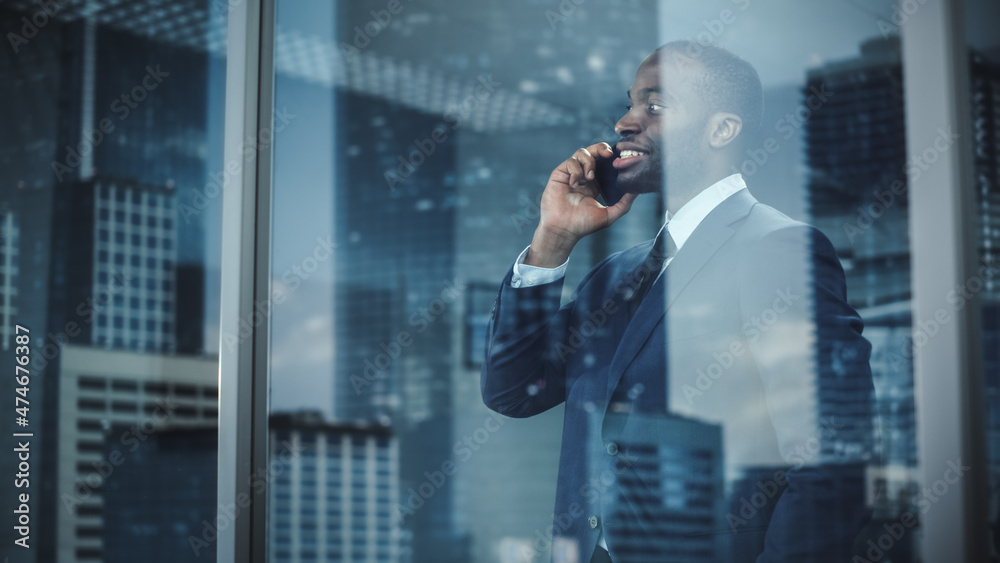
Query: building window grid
[(162, 337), (8, 269)]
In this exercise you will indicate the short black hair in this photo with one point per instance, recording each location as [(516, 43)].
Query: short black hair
[(731, 84)]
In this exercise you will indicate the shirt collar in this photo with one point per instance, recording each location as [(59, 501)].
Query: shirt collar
[(681, 224)]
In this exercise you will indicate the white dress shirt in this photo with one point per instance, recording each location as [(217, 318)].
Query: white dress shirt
[(680, 226)]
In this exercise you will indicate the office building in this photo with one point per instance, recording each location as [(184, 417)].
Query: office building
[(332, 492), (10, 238), (114, 264), (94, 181), (164, 496), (102, 390), (682, 462), (856, 152)]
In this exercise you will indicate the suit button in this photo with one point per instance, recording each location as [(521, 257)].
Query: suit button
[(612, 448), (592, 521)]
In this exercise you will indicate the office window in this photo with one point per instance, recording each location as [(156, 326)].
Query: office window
[(455, 139), (107, 105)]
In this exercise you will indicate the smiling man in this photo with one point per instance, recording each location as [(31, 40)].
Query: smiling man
[(720, 351)]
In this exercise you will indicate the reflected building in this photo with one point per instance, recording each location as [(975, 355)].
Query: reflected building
[(395, 294), (986, 161), (10, 239), (102, 391), (856, 151), (332, 491), (164, 496), (114, 249), (106, 143), (674, 478)]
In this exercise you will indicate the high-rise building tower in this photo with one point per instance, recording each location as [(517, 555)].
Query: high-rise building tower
[(103, 390), (161, 505), (10, 238), (106, 139), (332, 491), (114, 248), (857, 154)]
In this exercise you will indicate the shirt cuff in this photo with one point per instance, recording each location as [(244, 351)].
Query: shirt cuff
[(525, 275)]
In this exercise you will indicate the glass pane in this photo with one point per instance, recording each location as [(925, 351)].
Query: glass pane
[(984, 71), (109, 246), (427, 405)]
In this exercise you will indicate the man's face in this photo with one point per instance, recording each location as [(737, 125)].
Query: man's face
[(663, 133)]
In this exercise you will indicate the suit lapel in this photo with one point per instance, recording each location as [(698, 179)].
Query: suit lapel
[(704, 242)]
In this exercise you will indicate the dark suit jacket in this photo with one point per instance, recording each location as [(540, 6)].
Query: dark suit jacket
[(743, 365)]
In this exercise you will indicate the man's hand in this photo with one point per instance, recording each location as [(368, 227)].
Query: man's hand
[(570, 210)]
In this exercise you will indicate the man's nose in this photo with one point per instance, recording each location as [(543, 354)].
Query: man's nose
[(627, 125)]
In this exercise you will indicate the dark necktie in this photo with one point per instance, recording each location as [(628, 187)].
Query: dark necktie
[(663, 249)]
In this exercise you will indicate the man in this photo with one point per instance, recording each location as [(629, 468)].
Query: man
[(723, 348)]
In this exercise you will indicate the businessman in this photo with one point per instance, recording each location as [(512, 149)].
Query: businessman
[(717, 387)]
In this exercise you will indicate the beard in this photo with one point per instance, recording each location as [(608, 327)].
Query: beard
[(677, 165), (648, 178)]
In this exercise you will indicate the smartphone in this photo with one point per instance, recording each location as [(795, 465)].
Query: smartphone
[(607, 179)]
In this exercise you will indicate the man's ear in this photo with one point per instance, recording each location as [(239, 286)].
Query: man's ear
[(723, 128)]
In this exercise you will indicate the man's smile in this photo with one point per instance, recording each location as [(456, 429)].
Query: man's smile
[(628, 157)]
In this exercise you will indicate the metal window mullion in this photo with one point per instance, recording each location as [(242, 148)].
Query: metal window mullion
[(947, 360), (244, 280)]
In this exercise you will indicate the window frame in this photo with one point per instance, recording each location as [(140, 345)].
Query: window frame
[(935, 64), (949, 410), (245, 277)]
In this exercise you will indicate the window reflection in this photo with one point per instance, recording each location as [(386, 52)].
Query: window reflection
[(113, 119), (429, 134)]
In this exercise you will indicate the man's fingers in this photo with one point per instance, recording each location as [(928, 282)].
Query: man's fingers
[(603, 150), (576, 171), (586, 158), (616, 211)]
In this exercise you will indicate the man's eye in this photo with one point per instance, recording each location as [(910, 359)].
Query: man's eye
[(628, 107), (653, 108)]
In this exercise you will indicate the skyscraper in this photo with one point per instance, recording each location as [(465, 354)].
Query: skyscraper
[(858, 184), (10, 239), (395, 304), (107, 139), (332, 491), (162, 497), (856, 152), (114, 249), (105, 390)]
